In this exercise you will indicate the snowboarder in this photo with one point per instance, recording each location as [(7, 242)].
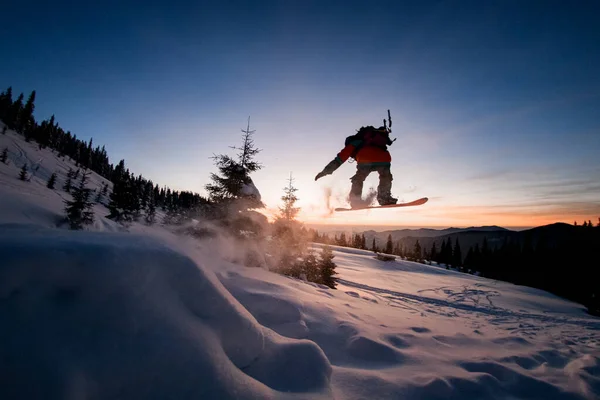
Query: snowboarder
[(369, 148)]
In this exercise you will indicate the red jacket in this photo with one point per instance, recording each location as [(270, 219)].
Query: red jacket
[(366, 155)]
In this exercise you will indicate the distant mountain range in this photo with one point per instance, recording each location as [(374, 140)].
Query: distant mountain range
[(467, 237)]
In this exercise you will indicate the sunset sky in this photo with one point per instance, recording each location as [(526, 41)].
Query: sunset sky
[(495, 104)]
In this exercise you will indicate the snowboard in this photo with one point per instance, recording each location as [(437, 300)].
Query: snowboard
[(418, 202)]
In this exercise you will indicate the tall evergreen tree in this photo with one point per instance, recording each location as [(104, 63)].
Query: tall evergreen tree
[(4, 156), (374, 246), (234, 174), (79, 210), (51, 181)]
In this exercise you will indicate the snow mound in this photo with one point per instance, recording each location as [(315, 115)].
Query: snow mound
[(112, 315), (390, 339)]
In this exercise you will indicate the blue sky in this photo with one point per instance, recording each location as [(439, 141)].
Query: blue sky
[(495, 104)]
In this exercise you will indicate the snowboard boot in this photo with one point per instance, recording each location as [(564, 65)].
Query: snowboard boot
[(386, 200), (384, 190)]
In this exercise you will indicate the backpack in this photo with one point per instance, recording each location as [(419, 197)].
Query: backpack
[(369, 136)]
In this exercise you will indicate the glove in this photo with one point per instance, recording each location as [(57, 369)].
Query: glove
[(329, 168), (320, 175)]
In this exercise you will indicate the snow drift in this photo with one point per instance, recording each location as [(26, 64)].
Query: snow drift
[(92, 315)]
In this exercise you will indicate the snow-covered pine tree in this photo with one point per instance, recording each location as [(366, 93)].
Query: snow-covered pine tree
[(79, 210), (234, 174), (23, 174), (232, 192), (51, 181), (4, 156)]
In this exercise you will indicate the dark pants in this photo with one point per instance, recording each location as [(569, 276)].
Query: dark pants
[(362, 172)]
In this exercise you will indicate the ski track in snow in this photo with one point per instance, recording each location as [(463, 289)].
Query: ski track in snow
[(527, 323)]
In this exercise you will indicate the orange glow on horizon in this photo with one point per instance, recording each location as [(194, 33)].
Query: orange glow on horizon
[(438, 216)]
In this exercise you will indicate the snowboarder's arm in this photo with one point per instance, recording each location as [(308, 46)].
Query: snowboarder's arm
[(337, 161), (346, 153)]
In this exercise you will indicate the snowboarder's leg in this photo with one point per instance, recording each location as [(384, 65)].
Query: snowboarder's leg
[(357, 184), (384, 190)]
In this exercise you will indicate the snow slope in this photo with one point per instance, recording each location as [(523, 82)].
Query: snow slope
[(31, 201), (148, 314)]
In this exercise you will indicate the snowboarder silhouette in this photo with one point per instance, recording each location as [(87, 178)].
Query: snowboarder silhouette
[(369, 148)]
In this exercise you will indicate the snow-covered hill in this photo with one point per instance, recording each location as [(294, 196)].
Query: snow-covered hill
[(148, 314)]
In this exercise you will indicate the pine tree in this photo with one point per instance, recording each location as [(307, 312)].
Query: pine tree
[(343, 242), (327, 267), (363, 243), (457, 255), (51, 181), (374, 246), (417, 251), (289, 211), (389, 246), (5, 104), (13, 113), (80, 210), (4, 156), (234, 175), (124, 204), (433, 254), (150, 216), (68, 183), (23, 174), (26, 120)]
